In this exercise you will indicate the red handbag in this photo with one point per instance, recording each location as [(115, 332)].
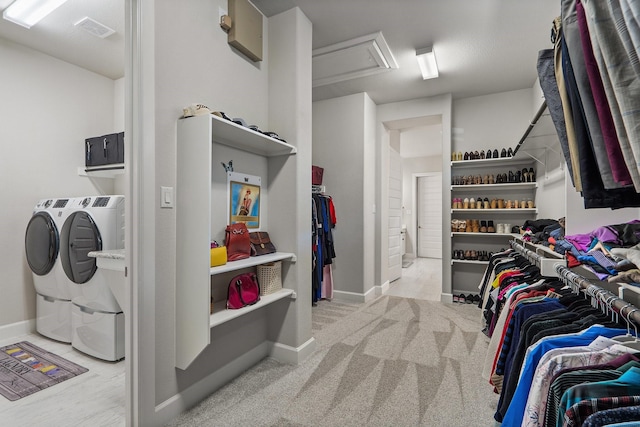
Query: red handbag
[(237, 241), (243, 290)]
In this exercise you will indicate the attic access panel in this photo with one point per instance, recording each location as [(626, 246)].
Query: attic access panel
[(359, 57)]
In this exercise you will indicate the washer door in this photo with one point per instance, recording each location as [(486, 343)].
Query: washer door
[(78, 237), (41, 243)]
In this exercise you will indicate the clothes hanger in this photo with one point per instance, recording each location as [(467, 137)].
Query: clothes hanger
[(626, 337), (635, 343)]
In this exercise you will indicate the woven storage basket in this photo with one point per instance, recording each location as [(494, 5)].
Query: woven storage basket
[(269, 277)]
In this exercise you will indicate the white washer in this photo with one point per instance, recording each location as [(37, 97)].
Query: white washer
[(42, 244), (95, 223)]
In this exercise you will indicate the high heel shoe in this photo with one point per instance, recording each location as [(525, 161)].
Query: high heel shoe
[(510, 152), (532, 175), (488, 154), (503, 153)]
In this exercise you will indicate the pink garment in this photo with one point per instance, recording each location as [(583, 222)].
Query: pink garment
[(327, 283)]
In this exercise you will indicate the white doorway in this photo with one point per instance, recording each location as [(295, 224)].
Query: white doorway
[(429, 215), (395, 215)]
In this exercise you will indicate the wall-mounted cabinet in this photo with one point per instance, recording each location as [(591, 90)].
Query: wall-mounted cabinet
[(201, 205)]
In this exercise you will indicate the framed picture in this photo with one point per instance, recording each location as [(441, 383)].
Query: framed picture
[(244, 199)]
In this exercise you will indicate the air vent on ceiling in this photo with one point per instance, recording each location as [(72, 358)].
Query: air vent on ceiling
[(94, 27), (359, 57)]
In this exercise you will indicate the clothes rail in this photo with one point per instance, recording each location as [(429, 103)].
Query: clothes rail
[(545, 264), (603, 297)]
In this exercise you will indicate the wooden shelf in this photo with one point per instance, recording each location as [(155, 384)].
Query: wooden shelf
[(222, 315), (237, 136), (496, 187), (252, 262)]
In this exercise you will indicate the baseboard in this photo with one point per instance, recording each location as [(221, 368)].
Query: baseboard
[(292, 355), (177, 404), (446, 298), (380, 290), (17, 329), (356, 297)]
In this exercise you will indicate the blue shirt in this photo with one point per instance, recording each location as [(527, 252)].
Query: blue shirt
[(514, 415)]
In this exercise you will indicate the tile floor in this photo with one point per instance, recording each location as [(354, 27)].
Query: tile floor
[(421, 280), (96, 398)]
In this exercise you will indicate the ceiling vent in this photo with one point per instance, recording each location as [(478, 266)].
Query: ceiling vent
[(94, 27), (359, 57)]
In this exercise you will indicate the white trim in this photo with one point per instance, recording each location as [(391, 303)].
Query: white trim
[(380, 290), (178, 403), (17, 329), (292, 355), (354, 296), (446, 298)]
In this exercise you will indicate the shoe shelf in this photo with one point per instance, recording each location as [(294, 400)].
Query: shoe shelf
[(501, 161), (514, 211), (496, 187), (237, 136), (464, 233), (469, 261)]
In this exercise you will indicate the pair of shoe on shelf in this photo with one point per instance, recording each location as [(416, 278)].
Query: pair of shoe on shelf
[(468, 299), (472, 226), (475, 155), (471, 255)]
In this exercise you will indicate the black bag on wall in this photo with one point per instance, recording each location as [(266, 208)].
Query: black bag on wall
[(104, 150)]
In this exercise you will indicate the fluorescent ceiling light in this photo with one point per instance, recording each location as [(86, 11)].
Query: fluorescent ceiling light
[(427, 62), (28, 12)]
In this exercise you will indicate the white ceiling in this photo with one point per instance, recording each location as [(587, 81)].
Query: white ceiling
[(482, 46), (56, 35)]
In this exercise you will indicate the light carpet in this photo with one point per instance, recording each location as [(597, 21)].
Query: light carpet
[(391, 362)]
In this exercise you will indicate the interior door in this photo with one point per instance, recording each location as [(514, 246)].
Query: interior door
[(395, 215), (429, 205)]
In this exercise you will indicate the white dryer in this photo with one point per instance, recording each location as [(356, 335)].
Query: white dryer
[(42, 248), (95, 223)]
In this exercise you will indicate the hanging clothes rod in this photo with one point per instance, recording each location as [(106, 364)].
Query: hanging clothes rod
[(545, 264), (531, 125), (603, 296)]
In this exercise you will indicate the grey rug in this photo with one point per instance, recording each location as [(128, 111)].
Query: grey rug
[(392, 362), (26, 368)]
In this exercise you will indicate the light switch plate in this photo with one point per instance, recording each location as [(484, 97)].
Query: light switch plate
[(166, 197)]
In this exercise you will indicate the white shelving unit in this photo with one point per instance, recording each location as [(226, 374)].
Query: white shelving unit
[(466, 274), (194, 172)]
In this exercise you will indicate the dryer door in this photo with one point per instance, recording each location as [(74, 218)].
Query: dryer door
[(41, 243), (78, 237)]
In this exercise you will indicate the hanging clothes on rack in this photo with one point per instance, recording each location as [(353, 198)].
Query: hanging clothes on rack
[(323, 222), (597, 84), (551, 352)]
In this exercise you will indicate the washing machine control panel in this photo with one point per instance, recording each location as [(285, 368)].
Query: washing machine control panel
[(60, 203), (101, 202), (85, 202)]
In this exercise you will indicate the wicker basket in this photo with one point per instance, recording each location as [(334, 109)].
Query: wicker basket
[(269, 277)]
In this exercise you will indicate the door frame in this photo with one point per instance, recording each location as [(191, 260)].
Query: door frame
[(414, 200)]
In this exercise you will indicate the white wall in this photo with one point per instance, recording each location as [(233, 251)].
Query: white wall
[(343, 144), (410, 166), (48, 108), (491, 121), (186, 59)]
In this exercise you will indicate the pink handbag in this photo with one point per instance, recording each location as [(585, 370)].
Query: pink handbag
[(243, 290)]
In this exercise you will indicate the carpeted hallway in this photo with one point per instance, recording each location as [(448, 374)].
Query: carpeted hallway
[(391, 362)]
